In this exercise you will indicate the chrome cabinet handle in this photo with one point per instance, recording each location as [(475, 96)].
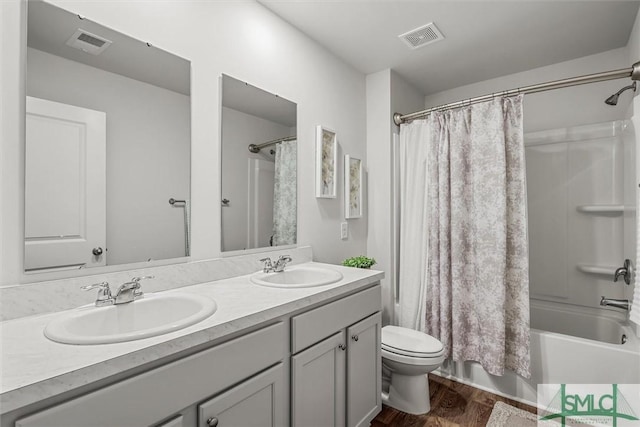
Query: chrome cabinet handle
[(355, 337), (212, 422), (342, 347), (97, 251)]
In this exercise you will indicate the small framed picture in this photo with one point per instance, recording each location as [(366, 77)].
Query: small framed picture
[(352, 187), (326, 162)]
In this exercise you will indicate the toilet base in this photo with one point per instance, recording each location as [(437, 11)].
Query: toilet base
[(408, 393)]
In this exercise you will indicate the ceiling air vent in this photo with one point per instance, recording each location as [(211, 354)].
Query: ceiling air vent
[(87, 42), (422, 36)]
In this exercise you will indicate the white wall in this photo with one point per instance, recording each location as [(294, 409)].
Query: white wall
[(148, 152), (241, 39), (238, 131), (387, 93), (573, 106)]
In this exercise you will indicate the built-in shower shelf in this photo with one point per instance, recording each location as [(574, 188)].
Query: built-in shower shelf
[(604, 270), (601, 209)]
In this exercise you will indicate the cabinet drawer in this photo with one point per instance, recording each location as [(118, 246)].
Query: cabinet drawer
[(156, 394), (315, 325), (257, 402)]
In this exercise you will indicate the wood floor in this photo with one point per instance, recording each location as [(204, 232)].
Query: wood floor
[(452, 404)]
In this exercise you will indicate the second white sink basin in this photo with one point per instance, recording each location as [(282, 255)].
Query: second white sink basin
[(299, 276), (155, 314)]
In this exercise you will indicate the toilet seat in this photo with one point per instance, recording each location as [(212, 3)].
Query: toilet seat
[(407, 342), (427, 360)]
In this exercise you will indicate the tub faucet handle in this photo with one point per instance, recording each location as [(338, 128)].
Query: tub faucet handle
[(624, 271)]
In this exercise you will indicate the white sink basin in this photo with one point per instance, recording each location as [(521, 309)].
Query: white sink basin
[(302, 276), (155, 314)]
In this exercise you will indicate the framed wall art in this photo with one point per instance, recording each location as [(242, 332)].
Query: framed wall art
[(352, 187), (326, 162)]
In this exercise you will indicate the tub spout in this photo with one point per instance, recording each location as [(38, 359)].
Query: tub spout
[(618, 303)]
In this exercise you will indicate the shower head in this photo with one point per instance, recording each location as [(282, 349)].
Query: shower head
[(613, 99)]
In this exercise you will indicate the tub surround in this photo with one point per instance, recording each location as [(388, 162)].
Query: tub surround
[(56, 295), (35, 368)]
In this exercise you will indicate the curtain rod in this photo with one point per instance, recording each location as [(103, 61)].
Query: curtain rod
[(255, 148), (633, 72)]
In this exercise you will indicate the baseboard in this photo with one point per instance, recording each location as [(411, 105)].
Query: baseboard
[(451, 377)]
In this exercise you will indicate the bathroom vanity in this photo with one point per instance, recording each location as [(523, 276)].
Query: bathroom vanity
[(266, 357)]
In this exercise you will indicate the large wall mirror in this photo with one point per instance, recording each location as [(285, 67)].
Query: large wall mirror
[(259, 168), (108, 142)]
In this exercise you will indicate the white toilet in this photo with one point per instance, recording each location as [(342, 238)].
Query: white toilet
[(407, 357)]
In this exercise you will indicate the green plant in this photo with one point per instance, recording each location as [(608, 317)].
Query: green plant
[(359, 262)]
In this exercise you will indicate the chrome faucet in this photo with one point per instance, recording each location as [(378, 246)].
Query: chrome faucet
[(268, 265), (130, 291), (127, 292), (624, 271), (104, 293), (281, 263), (618, 303)]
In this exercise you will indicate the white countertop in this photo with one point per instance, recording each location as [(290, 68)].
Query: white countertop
[(34, 368)]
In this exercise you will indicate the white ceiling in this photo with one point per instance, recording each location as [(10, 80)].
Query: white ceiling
[(483, 39)]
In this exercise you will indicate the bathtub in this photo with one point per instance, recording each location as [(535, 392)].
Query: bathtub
[(570, 346)]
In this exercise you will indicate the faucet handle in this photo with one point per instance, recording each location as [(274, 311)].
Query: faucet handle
[(268, 265), (625, 271), (104, 293), (102, 286), (138, 279), (281, 263), (137, 292)]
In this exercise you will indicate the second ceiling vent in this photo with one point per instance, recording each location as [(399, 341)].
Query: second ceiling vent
[(422, 36)]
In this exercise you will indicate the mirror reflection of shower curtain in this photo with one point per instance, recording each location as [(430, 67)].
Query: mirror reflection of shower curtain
[(285, 194)]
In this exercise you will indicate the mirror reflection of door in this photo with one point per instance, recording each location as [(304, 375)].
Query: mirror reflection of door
[(65, 186), (259, 188)]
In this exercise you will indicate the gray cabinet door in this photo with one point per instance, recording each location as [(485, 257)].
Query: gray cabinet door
[(318, 384), (256, 402), (364, 371)]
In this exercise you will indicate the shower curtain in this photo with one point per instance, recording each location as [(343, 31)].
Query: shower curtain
[(413, 151), (476, 278), (285, 194)]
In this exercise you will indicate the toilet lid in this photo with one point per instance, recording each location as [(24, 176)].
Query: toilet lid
[(409, 342)]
